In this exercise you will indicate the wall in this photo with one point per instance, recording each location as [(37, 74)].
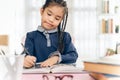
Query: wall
[(11, 18)]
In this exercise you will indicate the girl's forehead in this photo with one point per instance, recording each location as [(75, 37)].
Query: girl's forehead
[(56, 10)]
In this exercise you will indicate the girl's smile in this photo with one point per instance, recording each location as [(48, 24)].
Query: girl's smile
[(49, 24)]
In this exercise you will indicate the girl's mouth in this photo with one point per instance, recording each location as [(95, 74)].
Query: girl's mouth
[(49, 24)]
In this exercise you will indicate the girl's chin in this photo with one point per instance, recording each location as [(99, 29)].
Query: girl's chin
[(48, 28)]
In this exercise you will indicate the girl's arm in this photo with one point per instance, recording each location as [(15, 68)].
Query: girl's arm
[(29, 60), (69, 54)]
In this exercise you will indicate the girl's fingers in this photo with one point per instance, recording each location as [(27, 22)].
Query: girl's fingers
[(29, 61)]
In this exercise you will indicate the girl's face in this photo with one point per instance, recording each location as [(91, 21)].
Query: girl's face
[(51, 17)]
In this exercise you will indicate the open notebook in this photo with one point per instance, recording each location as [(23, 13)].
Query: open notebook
[(59, 68), (112, 60)]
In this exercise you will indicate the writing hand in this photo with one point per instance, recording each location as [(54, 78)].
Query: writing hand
[(50, 61), (29, 61)]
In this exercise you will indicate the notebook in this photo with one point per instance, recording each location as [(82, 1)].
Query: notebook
[(58, 68)]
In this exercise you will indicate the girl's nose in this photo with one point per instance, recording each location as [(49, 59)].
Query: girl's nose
[(51, 19)]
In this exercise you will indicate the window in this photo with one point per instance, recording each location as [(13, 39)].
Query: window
[(85, 28)]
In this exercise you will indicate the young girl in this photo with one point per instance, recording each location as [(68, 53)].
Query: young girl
[(49, 44)]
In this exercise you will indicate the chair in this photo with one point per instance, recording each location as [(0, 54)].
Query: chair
[(4, 43)]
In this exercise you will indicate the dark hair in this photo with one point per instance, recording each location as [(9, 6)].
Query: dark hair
[(62, 25)]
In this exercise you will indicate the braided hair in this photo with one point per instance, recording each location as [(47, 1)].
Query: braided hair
[(62, 25)]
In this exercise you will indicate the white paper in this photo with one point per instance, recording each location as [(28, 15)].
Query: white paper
[(59, 68)]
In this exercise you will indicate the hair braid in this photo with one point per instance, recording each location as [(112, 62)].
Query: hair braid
[(61, 30)]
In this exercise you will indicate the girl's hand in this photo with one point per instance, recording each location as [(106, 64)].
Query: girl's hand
[(29, 61), (50, 61)]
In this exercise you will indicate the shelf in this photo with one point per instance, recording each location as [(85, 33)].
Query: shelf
[(108, 16), (109, 34)]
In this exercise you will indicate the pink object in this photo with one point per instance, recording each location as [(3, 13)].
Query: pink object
[(57, 76)]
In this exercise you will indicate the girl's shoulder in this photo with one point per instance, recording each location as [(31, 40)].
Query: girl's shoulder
[(32, 33), (67, 38), (66, 34)]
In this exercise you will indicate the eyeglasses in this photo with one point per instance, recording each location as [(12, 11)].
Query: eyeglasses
[(57, 77)]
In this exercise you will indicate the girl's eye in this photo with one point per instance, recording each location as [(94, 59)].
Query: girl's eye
[(49, 14), (57, 19)]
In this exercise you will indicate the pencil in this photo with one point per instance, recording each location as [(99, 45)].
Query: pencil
[(25, 50)]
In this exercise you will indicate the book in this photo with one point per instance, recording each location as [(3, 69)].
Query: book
[(58, 68), (107, 25), (98, 76), (103, 26), (111, 25), (105, 6), (106, 65), (111, 60)]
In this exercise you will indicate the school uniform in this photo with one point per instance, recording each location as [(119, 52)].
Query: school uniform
[(43, 44)]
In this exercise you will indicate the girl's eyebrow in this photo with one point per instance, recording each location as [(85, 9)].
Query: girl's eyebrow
[(49, 11), (53, 13)]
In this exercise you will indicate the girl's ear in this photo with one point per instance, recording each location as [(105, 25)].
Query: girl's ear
[(41, 11)]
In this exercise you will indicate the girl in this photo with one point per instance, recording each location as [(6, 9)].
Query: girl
[(49, 44)]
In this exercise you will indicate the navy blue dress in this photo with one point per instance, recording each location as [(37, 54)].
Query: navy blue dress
[(36, 44)]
